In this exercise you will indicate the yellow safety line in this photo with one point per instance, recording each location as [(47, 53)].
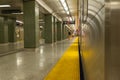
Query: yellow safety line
[(67, 68)]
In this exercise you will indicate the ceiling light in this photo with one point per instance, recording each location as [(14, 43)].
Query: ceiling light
[(5, 6), (68, 12), (70, 19), (62, 1), (66, 8), (19, 21), (18, 13), (64, 4)]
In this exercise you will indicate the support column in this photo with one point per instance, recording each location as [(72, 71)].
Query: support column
[(49, 29), (3, 30), (59, 31), (55, 29), (63, 32), (43, 25), (42, 28), (31, 24), (11, 30), (66, 32)]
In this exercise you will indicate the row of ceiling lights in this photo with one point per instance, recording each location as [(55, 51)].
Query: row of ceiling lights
[(10, 6), (2, 6), (63, 2), (66, 8), (13, 13)]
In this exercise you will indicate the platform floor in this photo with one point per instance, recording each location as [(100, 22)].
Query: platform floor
[(8, 48), (67, 68), (31, 64)]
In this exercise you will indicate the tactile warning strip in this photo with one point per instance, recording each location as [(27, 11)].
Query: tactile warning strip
[(67, 68)]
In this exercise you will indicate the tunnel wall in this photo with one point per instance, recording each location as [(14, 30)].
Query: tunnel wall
[(101, 40), (112, 40), (93, 41)]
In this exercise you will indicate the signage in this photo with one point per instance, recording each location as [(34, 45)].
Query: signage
[(68, 22)]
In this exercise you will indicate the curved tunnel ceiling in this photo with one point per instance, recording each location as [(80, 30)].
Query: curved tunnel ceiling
[(58, 8), (95, 17)]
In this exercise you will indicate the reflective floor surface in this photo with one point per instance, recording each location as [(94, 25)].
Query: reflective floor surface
[(31, 64), (8, 48)]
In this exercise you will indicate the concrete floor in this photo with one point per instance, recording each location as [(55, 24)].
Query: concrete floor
[(8, 48), (31, 64)]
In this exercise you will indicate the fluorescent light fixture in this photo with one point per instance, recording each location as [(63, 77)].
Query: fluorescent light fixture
[(18, 13), (5, 6), (70, 19), (19, 21), (68, 12), (65, 6), (62, 1)]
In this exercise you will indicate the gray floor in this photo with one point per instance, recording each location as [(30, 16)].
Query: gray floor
[(32, 64), (10, 48)]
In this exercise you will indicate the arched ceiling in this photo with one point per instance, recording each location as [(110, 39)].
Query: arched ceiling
[(58, 8), (55, 5), (95, 17)]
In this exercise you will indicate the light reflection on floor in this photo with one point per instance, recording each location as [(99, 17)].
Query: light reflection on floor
[(32, 64)]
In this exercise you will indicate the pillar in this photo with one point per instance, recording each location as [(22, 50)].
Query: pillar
[(3, 30), (42, 23), (59, 31), (63, 32), (31, 24), (66, 32), (49, 29), (11, 30), (55, 29)]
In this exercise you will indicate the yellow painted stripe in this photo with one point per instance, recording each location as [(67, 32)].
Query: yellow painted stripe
[(67, 68)]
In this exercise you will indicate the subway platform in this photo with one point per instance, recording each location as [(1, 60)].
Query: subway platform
[(48, 62)]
